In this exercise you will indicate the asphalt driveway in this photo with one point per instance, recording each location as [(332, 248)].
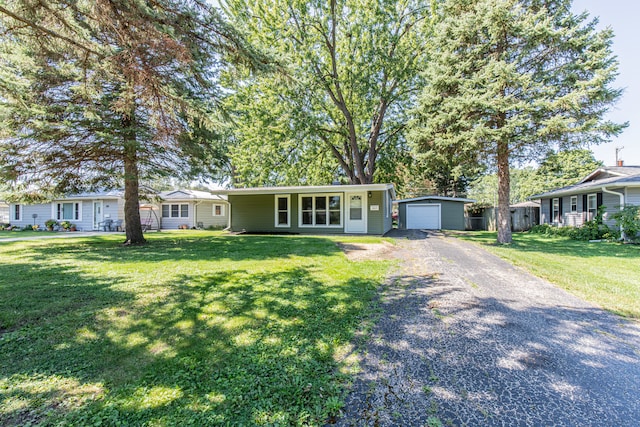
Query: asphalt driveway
[(466, 339)]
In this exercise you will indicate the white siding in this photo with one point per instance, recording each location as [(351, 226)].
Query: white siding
[(204, 214), (43, 211), (111, 210), (169, 223), (4, 213), (633, 196), (572, 219), (611, 202)]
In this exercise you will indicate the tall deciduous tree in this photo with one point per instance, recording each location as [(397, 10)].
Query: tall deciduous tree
[(507, 80), (96, 93), (338, 108)]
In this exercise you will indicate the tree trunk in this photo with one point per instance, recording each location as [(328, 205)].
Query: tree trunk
[(131, 200), (504, 182)]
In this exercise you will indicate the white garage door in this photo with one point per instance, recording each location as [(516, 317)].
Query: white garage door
[(421, 217)]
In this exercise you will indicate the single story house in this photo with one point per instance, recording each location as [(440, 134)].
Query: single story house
[(432, 213), (87, 211), (330, 209), (94, 211), (191, 208), (612, 187)]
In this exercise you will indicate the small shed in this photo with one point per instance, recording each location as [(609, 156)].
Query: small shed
[(432, 213)]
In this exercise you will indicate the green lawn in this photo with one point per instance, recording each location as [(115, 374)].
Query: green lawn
[(195, 328), (607, 274)]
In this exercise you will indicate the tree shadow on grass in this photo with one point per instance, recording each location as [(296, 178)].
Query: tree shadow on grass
[(43, 308), (225, 348), (185, 248)]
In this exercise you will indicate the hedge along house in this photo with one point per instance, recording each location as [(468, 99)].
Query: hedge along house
[(191, 209), (611, 187), (332, 209), (432, 213)]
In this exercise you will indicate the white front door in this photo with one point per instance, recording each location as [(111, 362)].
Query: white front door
[(98, 215), (356, 215)]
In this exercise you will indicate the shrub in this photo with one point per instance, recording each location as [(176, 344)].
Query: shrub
[(50, 223), (549, 230), (628, 219), (590, 230)]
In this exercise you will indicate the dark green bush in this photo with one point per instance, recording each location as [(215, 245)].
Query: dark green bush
[(628, 219), (590, 230)]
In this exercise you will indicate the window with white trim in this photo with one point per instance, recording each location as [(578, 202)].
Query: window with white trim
[(175, 210), (320, 210), (283, 210), (16, 212), (592, 205), (555, 212), (218, 210), (574, 204), (68, 211)]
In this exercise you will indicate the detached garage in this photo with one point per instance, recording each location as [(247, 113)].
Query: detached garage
[(432, 213)]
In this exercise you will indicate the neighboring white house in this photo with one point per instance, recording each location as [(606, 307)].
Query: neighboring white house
[(87, 211), (191, 208), (105, 211)]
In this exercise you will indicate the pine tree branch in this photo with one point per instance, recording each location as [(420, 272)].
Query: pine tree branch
[(52, 33)]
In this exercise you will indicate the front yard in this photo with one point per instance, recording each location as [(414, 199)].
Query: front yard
[(196, 328), (607, 274)]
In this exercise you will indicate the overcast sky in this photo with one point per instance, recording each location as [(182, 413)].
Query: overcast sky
[(623, 17)]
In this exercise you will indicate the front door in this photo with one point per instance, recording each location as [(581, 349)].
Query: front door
[(356, 217), (97, 214)]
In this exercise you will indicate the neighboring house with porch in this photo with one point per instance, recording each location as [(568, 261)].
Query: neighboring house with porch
[(105, 211), (329, 209), (87, 211), (612, 187)]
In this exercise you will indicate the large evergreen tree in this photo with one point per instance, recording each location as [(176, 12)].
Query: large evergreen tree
[(349, 70), (100, 93), (556, 170), (507, 80)]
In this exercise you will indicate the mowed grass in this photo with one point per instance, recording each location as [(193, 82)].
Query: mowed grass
[(607, 274), (195, 328)]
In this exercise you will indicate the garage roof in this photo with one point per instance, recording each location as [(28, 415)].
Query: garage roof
[(449, 199)]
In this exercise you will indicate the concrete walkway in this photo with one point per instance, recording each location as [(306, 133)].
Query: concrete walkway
[(466, 339), (57, 235)]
